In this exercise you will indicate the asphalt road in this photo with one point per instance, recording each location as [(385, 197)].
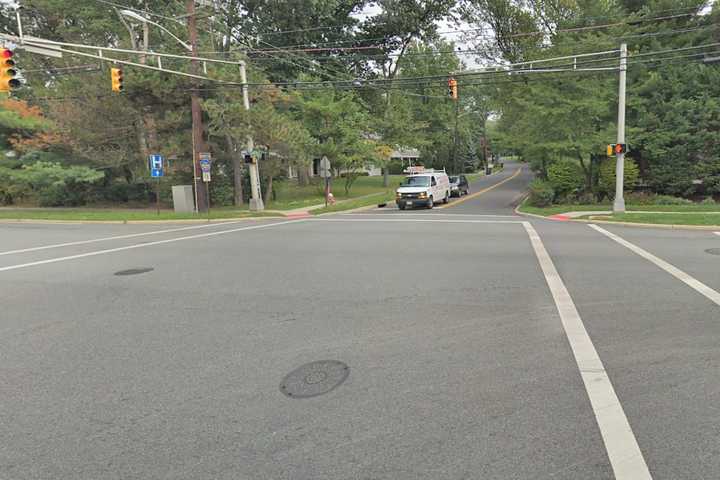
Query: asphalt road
[(480, 345)]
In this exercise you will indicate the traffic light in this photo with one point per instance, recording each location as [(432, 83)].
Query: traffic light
[(116, 79), (7, 71), (248, 157), (616, 148), (452, 88)]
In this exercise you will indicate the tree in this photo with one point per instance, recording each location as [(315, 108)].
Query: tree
[(340, 124)]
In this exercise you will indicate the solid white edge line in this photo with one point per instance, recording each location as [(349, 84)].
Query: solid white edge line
[(625, 457), (117, 237), (401, 220), (697, 285), (141, 245)]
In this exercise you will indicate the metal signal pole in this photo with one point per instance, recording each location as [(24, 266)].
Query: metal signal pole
[(619, 203), (197, 124)]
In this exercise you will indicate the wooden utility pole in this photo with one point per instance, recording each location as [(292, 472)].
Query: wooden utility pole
[(197, 125)]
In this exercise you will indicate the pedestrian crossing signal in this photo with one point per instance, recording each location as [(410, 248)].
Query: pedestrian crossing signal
[(116, 79), (616, 149)]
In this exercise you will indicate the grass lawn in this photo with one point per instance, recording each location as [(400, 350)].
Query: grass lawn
[(677, 218), (555, 209), (290, 195), (382, 197), (117, 214)]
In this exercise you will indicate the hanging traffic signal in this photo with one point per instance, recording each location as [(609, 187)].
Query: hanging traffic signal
[(452, 88), (116, 79), (7, 71), (610, 150)]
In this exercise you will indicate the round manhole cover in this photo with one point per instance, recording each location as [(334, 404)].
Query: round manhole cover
[(713, 251), (134, 271), (314, 379)]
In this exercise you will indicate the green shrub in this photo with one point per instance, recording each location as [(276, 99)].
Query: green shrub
[(541, 193), (565, 176), (670, 200), (708, 201), (606, 181), (55, 185)]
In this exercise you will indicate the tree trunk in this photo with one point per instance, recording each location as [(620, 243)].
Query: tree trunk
[(238, 171), (587, 170), (302, 174), (386, 176), (268, 189)]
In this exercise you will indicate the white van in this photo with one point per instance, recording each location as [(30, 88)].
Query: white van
[(423, 187)]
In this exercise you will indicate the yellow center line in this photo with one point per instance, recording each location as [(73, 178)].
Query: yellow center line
[(485, 190)]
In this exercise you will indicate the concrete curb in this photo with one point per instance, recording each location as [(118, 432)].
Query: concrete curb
[(624, 224)]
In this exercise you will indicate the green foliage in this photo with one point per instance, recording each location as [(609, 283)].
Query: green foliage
[(565, 177), (645, 198), (606, 181), (542, 193), (708, 201), (50, 184), (670, 200)]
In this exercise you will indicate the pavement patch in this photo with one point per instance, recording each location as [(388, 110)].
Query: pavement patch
[(713, 251), (133, 271), (314, 378)]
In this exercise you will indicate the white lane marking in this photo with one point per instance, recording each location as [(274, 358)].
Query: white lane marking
[(141, 245), (622, 448), (422, 220), (697, 285), (117, 237), (717, 233)]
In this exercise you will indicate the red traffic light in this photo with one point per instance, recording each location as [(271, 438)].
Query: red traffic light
[(6, 53), (620, 148)]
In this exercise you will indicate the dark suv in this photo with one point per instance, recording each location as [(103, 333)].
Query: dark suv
[(459, 186)]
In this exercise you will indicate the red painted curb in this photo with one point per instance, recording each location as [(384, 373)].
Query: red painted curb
[(298, 215), (559, 217)]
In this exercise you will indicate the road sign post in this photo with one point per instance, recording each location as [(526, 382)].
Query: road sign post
[(205, 168), (157, 171)]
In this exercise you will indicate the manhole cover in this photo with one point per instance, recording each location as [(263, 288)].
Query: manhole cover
[(713, 251), (134, 271), (314, 379)]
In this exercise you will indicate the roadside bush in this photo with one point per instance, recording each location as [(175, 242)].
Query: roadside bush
[(54, 185), (606, 180), (566, 177), (670, 200), (222, 192), (541, 193), (708, 201), (126, 192)]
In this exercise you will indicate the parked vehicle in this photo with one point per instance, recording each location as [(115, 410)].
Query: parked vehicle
[(423, 188), (459, 186)]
